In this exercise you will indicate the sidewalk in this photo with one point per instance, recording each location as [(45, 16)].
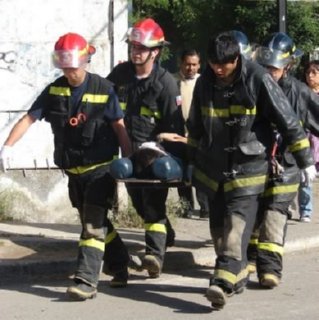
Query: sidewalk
[(33, 251)]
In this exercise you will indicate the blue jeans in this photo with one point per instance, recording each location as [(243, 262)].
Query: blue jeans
[(305, 200)]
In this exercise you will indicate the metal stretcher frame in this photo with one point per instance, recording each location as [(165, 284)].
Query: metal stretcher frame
[(150, 183)]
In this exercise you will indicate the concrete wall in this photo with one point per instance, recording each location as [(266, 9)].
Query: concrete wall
[(29, 30)]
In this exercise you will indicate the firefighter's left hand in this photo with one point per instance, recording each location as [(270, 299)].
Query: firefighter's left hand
[(310, 174)]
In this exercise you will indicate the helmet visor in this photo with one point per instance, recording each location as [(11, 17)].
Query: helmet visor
[(272, 58), (144, 37), (69, 58)]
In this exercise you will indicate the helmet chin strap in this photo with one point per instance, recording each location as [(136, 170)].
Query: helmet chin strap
[(146, 60)]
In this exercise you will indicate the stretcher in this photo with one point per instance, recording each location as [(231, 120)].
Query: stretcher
[(154, 183)]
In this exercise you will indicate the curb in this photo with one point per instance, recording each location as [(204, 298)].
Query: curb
[(176, 259)]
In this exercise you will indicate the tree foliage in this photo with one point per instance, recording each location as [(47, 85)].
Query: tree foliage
[(190, 23)]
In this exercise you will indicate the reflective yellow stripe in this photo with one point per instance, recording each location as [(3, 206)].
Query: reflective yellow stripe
[(123, 105), (148, 112), (226, 112), (242, 274), (95, 98), (60, 91), (281, 190), (89, 167), (225, 275), (109, 237), (244, 183), (253, 241), (299, 145), (200, 176), (92, 243), (237, 109), (215, 113), (155, 227), (271, 247)]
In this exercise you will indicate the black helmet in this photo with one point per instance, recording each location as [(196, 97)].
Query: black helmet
[(244, 45), (277, 51)]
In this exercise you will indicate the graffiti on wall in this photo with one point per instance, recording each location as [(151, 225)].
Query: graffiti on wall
[(8, 60)]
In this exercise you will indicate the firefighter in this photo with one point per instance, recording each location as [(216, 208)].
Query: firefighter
[(278, 54), (88, 126), (244, 44), (150, 98), (234, 103)]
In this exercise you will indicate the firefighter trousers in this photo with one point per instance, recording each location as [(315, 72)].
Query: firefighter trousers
[(92, 194), (150, 205), (231, 222), (266, 247)]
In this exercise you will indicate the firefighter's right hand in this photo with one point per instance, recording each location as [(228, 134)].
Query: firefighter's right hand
[(5, 157)]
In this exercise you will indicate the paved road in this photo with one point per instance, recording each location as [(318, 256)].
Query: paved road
[(172, 297)]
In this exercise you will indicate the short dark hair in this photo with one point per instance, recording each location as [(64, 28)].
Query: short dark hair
[(189, 53), (223, 48), (310, 63)]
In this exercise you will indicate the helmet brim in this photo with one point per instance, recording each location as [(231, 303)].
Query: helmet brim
[(272, 58)]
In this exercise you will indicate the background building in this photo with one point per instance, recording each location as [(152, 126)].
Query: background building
[(29, 30)]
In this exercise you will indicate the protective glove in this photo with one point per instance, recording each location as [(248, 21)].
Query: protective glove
[(5, 157), (310, 174)]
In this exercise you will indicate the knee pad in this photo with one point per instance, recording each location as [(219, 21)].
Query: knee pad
[(273, 228), (121, 168), (167, 168), (233, 237)]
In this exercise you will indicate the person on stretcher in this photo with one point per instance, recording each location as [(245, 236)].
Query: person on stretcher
[(151, 161)]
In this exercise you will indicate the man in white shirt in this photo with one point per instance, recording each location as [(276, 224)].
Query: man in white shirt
[(186, 78)]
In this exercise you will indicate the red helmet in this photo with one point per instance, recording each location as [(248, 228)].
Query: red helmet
[(147, 33), (71, 51)]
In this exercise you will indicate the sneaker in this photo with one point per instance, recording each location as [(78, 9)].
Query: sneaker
[(119, 280), (217, 296), (305, 219), (268, 281), (81, 292), (152, 265)]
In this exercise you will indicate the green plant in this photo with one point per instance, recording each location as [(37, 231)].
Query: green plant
[(130, 219), (5, 199), (126, 218)]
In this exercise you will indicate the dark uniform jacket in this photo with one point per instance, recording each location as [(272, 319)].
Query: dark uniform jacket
[(230, 133), (84, 137), (151, 105), (305, 103)]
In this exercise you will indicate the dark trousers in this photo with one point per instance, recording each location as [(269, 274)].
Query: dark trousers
[(92, 194), (231, 222), (150, 204), (266, 247)]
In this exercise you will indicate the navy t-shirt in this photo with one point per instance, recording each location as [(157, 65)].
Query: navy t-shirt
[(112, 112)]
